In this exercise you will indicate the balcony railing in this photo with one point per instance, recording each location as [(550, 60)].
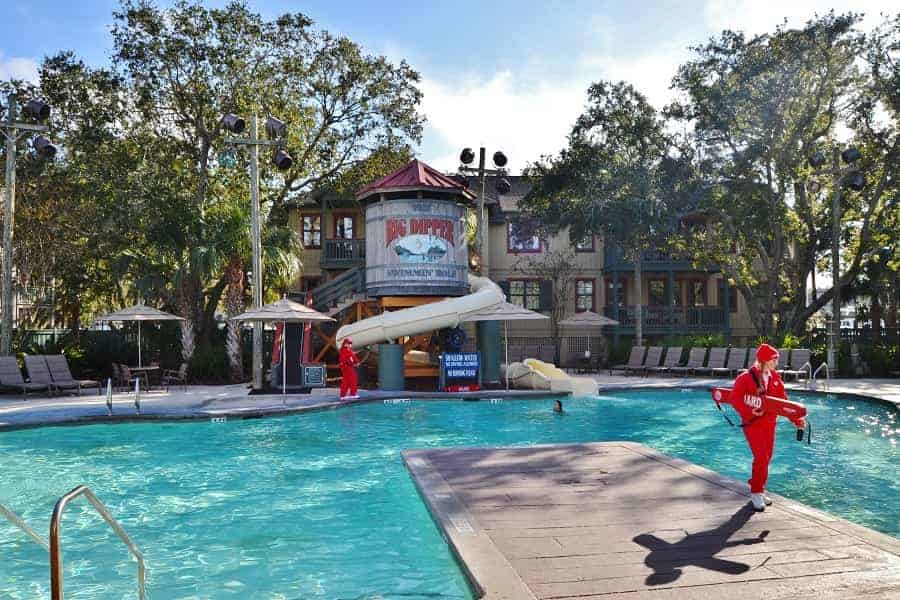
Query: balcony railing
[(614, 258), (666, 319), (337, 254)]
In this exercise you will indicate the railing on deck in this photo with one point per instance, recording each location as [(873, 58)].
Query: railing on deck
[(671, 319), (343, 253)]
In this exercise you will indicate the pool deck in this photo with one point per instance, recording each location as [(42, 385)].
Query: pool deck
[(234, 401), (621, 520)]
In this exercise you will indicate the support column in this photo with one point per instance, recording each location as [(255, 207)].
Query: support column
[(615, 304), (488, 342), (9, 215), (670, 298), (726, 302)]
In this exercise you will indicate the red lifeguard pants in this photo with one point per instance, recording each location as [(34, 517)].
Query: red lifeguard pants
[(348, 381), (761, 439)]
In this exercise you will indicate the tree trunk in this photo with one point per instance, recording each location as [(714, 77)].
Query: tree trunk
[(638, 301), (234, 304)]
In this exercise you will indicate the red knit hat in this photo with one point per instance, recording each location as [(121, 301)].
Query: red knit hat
[(347, 340), (766, 353)]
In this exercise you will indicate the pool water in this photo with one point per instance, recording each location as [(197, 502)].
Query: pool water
[(319, 505)]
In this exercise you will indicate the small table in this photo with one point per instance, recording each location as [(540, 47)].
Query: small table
[(147, 372)]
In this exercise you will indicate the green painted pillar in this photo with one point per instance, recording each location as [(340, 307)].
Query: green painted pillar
[(488, 337), (390, 367)]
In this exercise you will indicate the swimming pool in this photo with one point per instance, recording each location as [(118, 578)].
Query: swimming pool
[(319, 505)]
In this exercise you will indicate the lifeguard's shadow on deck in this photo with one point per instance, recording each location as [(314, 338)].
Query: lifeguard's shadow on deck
[(697, 549)]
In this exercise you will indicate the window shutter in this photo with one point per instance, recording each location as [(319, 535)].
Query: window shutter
[(504, 285), (546, 295)]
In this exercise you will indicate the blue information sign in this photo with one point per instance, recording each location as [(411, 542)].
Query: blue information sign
[(460, 368)]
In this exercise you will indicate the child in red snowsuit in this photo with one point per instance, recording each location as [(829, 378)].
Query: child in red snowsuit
[(759, 426), (348, 360)]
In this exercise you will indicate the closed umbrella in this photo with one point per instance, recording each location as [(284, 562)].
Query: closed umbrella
[(139, 313), (505, 312), (285, 311)]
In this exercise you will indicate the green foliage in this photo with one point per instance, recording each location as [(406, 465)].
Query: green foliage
[(209, 364), (784, 340), (883, 359), (702, 340)]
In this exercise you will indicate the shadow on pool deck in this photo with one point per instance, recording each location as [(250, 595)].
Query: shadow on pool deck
[(698, 549)]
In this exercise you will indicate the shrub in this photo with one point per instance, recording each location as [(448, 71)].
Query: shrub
[(209, 364)]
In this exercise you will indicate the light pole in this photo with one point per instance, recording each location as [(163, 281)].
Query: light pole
[(43, 147), (466, 157), (277, 131), (851, 177)]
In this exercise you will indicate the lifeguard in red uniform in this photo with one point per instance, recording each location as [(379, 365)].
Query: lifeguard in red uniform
[(759, 426), (348, 360)]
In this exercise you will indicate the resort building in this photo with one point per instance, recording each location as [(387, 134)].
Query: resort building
[(678, 298)]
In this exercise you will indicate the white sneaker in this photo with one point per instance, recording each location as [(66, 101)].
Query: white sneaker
[(766, 499), (759, 503)]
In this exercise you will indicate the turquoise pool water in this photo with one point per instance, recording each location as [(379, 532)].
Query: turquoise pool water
[(320, 505)]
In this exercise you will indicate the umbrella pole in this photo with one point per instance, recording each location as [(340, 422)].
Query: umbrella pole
[(139, 344), (506, 349), (283, 358)]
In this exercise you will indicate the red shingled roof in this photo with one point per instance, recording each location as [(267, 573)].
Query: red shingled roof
[(415, 176)]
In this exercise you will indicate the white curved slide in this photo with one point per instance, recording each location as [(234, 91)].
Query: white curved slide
[(419, 319), (538, 375)]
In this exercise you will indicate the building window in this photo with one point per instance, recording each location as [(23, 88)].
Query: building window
[(657, 291), (697, 292), (525, 293), (344, 227), (585, 245), (516, 241), (312, 231), (623, 293), (584, 295), (678, 292)]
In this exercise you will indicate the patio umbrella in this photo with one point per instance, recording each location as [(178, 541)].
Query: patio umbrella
[(505, 312), (285, 311), (587, 318), (139, 313)]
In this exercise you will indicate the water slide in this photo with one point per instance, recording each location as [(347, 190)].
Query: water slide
[(420, 319)]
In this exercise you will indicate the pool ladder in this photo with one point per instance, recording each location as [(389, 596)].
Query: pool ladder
[(55, 549), (811, 382)]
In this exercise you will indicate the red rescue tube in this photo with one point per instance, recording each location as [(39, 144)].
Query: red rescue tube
[(781, 407)]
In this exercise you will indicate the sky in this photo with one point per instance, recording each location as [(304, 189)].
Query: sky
[(506, 75)]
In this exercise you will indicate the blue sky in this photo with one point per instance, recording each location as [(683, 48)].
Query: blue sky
[(506, 74)]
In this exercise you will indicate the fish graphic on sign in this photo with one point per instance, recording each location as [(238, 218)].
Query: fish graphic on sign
[(420, 248)]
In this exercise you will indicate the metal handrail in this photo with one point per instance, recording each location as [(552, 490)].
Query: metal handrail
[(56, 571), (21, 524), (815, 374)]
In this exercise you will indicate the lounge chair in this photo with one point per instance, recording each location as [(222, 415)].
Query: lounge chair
[(635, 360), (654, 355), (800, 364), (172, 376), (783, 362), (737, 360), (62, 375), (36, 365), (11, 377), (673, 359), (716, 361), (695, 360)]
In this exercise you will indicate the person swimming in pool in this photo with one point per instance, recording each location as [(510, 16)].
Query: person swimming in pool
[(557, 407)]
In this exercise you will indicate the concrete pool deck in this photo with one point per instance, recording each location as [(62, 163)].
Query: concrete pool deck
[(234, 401), (621, 520)]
